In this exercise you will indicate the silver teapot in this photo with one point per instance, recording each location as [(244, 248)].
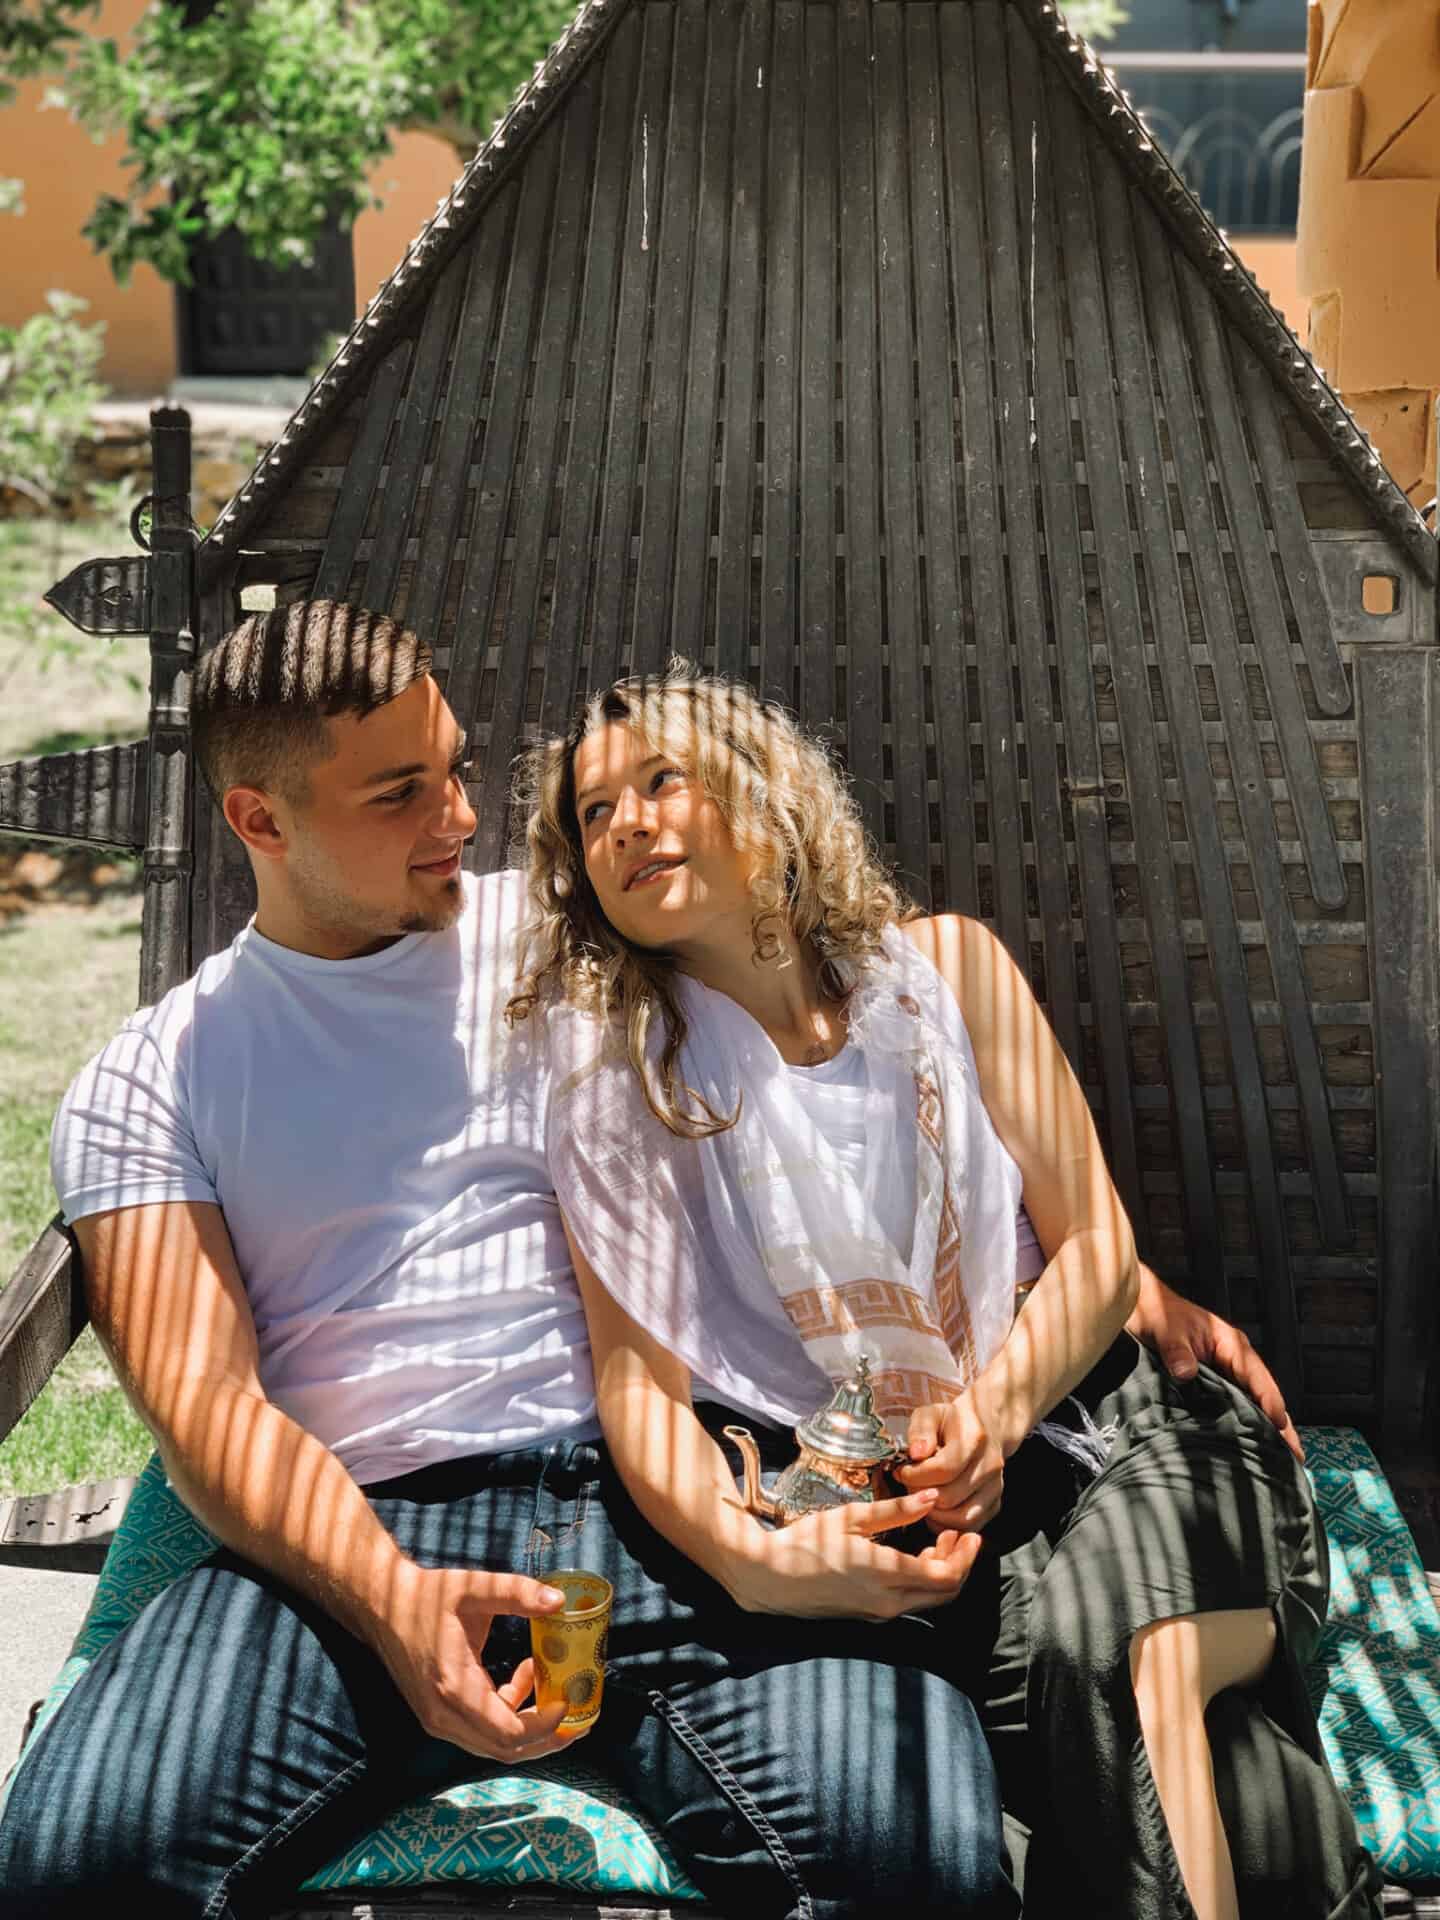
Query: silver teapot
[(844, 1452)]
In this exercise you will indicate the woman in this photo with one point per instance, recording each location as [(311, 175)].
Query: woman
[(793, 1122)]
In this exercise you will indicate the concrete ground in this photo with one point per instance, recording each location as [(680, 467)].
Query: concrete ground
[(40, 1614)]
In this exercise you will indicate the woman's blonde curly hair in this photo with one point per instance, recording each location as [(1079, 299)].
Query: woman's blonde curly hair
[(783, 799)]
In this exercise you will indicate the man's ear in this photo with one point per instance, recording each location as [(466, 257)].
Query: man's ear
[(250, 815)]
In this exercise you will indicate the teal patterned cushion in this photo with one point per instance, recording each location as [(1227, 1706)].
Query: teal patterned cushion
[(565, 1826), (1376, 1684), (1376, 1680)]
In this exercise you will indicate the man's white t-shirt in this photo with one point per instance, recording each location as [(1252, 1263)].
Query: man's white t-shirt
[(374, 1133)]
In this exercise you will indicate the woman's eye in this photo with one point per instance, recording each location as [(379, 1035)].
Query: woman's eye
[(593, 812), (664, 774)]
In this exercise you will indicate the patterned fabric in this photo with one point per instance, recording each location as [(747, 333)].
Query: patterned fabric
[(1376, 1680), (1376, 1684)]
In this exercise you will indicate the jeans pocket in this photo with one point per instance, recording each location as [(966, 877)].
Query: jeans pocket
[(566, 1503)]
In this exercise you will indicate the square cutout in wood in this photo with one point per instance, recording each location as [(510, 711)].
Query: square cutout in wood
[(1380, 593)]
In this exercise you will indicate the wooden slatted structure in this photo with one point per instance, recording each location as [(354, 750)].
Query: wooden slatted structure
[(871, 351)]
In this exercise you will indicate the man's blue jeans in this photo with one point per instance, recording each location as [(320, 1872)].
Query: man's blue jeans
[(234, 1738)]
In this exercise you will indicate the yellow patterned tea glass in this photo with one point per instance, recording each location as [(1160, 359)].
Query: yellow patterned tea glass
[(569, 1648)]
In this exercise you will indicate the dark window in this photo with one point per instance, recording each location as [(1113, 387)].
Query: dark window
[(1234, 26), (1221, 83), (242, 317)]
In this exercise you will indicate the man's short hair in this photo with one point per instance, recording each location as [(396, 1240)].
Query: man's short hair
[(261, 698)]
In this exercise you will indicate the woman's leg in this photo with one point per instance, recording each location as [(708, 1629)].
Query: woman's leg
[(1199, 1511), (1176, 1668)]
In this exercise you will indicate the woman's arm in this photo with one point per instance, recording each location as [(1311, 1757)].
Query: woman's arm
[(827, 1563), (1090, 1285)]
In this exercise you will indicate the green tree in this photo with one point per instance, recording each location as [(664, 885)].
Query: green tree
[(269, 115), (1095, 19)]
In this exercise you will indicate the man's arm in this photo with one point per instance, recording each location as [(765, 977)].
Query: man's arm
[(170, 1309), (1185, 1336)]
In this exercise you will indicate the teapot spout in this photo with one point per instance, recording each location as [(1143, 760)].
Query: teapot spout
[(757, 1501)]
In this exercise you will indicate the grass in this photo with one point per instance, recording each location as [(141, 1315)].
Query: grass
[(68, 972)]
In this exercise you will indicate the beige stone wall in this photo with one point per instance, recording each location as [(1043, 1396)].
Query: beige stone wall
[(64, 171), (1370, 220)]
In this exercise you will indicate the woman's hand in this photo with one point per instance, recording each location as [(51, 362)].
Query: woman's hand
[(830, 1564), (953, 1453)]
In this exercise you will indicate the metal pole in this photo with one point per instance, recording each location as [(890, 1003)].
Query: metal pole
[(169, 857)]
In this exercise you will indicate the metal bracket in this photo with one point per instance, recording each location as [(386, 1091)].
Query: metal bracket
[(106, 596)]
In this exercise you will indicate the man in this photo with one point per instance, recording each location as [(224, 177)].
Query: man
[(322, 1250)]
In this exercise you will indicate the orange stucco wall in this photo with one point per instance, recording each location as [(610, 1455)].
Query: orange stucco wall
[(64, 171)]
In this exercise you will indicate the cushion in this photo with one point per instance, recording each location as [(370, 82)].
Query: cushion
[(1376, 1679), (1375, 1682)]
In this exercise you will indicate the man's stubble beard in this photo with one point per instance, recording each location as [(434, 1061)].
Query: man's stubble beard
[(328, 906), (445, 912)]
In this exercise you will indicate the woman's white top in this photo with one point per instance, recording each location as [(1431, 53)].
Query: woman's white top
[(869, 1208)]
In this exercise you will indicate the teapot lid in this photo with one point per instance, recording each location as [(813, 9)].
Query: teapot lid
[(849, 1428)]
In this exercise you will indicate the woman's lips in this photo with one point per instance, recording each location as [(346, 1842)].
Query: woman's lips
[(658, 870)]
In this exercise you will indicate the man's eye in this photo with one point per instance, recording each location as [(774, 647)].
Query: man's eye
[(398, 797)]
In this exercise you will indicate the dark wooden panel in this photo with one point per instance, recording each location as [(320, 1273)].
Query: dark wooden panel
[(1284, 696), (590, 385), (944, 604), (174, 622), (97, 794), (484, 614), (1102, 348), (449, 483), (610, 594), (675, 239), (411, 440), (1292, 537), (860, 601), (1174, 648), (536, 479), (68, 1531), (1011, 186), (903, 622), (737, 620), (42, 1312), (973, 348), (1305, 785), (361, 477), (780, 509), (1398, 695), (691, 600), (1065, 573), (815, 693)]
